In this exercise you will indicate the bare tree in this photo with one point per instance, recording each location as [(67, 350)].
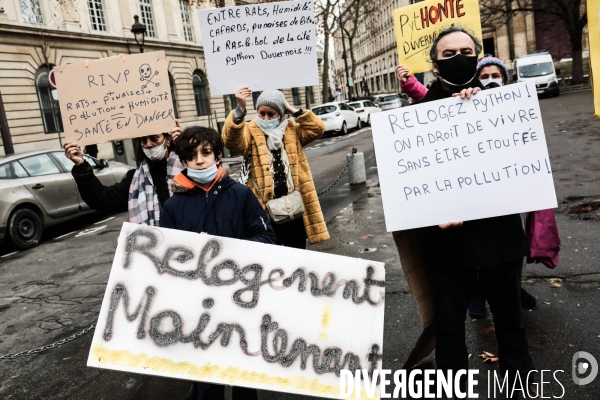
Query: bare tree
[(350, 21), (326, 21), (572, 13)]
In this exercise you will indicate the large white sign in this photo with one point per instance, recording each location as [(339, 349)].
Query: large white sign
[(206, 308), (263, 46), (458, 160)]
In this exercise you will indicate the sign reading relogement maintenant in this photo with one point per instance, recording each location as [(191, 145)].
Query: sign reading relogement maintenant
[(457, 160), (215, 309), (263, 46)]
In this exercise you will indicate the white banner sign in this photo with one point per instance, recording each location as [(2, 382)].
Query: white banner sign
[(458, 160), (263, 46), (206, 308)]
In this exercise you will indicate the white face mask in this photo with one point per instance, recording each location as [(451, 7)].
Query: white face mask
[(486, 82), (156, 153)]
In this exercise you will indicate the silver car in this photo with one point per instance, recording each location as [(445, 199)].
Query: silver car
[(389, 101), (37, 190)]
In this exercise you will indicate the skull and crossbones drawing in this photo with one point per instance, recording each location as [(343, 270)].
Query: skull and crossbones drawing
[(147, 75)]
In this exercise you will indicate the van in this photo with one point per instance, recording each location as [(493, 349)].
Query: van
[(538, 68)]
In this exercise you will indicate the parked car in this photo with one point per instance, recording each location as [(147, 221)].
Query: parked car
[(538, 68), (405, 100), (364, 109), (37, 190), (338, 117), (389, 101)]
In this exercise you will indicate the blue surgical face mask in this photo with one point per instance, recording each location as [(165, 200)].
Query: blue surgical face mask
[(203, 175), (271, 124)]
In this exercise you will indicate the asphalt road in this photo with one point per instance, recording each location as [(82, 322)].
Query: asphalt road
[(55, 290)]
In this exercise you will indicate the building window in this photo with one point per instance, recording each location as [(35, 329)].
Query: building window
[(311, 95), (173, 98), (31, 11), (393, 81), (296, 96), (201, 93), (385, 82), (372, 84), (147, 17), (48, 106), (255, 96), (233, 101), (378, 82), (97, 15), (186, 20)]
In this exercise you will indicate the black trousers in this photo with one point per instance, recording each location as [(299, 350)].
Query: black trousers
[(501, 286), (291, 234)]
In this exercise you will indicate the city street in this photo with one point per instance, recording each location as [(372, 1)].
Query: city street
[(55, 290)]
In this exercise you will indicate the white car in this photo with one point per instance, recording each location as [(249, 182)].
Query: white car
[(365, 108), (338, 117), (389, 101)]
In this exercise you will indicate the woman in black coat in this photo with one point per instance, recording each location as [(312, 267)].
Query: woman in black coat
[(156, 164)]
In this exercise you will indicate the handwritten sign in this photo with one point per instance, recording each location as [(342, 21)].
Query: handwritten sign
[(238, 312), (417, 26), (593, 7), (115, 98), (459, 160), (264, 46)]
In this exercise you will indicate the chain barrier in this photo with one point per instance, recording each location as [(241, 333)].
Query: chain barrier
[(341, 174), (49, 346)]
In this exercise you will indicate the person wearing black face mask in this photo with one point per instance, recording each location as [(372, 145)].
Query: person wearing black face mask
[(444, 262)]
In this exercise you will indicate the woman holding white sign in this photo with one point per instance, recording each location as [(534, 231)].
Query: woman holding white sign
[(278, 170)]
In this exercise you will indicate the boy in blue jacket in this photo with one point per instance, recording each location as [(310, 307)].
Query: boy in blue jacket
[(206, 200)]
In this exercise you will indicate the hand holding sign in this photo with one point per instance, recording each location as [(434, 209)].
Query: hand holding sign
[(241, 95)]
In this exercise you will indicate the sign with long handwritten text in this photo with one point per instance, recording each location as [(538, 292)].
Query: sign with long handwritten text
[(207, 308), (417, 26), (459, 160), (115, 98), (263, 46)]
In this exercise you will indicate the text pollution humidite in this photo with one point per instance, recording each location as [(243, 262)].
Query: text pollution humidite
[(459, 160), (214, 309), (115, 98)]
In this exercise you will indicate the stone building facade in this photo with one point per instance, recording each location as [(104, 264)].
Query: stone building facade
[(36, 35)]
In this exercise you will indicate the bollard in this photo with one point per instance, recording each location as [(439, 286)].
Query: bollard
[(356, 169)]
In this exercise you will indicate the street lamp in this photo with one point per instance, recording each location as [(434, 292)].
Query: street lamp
[(139, 32)]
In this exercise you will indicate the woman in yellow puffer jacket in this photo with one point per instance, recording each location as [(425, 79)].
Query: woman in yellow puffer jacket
[(278, 164)]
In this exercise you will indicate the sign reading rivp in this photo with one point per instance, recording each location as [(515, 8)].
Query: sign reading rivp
[(263, 46), (236, 312), (115, 98), (457, 160)]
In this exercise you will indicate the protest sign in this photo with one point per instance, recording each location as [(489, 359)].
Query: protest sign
[(593, 7), (263, 46), (417, 25), (115, 98), (459, 160), (200, 307)]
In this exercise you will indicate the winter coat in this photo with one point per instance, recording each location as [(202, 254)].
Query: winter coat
[(114, 198), (246, 136), (228, 209), (413, 88)]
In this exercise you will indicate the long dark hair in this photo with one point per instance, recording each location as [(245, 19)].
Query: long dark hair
[(138, 152)]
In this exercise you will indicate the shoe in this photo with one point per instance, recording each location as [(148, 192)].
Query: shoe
[(527, 300), (477, 306)]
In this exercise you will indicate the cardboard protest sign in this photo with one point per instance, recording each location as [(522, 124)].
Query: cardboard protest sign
[(593, 7), (194, 306), (459, 160), (115, 98), (417, 25), (263, 46)]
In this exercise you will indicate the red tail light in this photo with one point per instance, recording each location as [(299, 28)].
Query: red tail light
[(359, 111)]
